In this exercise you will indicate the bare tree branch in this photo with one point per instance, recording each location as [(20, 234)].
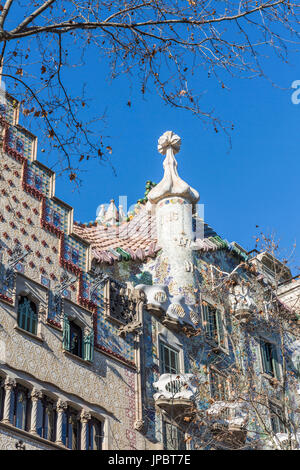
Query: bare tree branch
[(5, 11)]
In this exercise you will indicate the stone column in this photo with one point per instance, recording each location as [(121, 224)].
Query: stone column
[(85, 416), (36, 395), (9, 384), (60, 408)]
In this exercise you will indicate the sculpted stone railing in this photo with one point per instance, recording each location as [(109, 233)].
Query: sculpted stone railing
[(175, 386), (175, 395)]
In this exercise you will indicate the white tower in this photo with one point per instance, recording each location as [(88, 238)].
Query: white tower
[(172, 200)]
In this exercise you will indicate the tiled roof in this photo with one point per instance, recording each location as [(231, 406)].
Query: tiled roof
[(136, 239)]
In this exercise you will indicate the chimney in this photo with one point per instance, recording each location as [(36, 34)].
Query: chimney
[(173, 201)]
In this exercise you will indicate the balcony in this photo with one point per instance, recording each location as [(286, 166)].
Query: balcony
[(228, 422), (175, 393)]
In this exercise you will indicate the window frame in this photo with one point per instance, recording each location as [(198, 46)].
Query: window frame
[(180, 436), (45, 402), (69, 327), (94, 422), (22, 322), (219, 336), (270, 359), (170, 348), (76, 330), (71, 414), (276, 423), (217, 373), (19, 388)]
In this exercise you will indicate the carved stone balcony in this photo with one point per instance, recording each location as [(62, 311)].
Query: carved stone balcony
[(242, 303), (175, 393)]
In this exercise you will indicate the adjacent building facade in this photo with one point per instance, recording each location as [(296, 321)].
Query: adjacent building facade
[(140, 331)]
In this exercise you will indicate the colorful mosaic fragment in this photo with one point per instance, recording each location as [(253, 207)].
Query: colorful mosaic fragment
[(8, 106), (6, 280), (56, 215), (54, 308), (109, 341), (19, 142), (75, 252), (38, 179), (91, 292), (172, 201)]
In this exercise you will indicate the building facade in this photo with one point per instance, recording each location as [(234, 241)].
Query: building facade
[(137, 331)]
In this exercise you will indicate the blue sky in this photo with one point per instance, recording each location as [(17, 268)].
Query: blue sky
[(254, 183)]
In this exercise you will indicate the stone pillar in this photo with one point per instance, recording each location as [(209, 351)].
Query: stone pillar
[(85, 416), (60, 408), (36, 395), (9, 384)]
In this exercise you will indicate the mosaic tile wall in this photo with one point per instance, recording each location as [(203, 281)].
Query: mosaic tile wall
[(54, 308), (56, 215), (8, 109), (107, 337), (20, 141), (38, 178), (75, 252), (198, 356), (6, 281)]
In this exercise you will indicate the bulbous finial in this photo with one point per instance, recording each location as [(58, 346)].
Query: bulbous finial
[(169, 140), (171, 184)]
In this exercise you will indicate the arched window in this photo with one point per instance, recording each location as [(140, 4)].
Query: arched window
[(94, 434), (27, 315), (21, 407), (46, 418), (71, 429)]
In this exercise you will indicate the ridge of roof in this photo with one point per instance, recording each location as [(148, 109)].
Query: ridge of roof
[(136, 239)]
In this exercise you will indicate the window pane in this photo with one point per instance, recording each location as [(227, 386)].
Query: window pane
[(97, 436), (39, 421), (94, 437), (173, 437), (64, 428), (50, 422), (21, 406), (173, 361), (75, 339), (270, 359), (27, 315), (169, 360), (277, 418)]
